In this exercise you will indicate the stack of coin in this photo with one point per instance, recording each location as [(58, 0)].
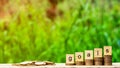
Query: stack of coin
[(107, 59), (79, 62), (89, 62), (70, 64), (98, 61)]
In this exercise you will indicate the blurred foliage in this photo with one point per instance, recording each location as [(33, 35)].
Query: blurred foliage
[(86, 24)]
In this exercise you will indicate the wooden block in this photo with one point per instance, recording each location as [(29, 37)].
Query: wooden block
[(98, 52), (107, 50), (70, 59), (98, 59), (89, 54), (79, 56)]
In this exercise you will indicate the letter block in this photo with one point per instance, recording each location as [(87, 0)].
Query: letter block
[(98, 52), (107, 50), (79, 56), (89, 54), (70, 59)]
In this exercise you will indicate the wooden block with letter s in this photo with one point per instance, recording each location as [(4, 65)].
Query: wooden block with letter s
[(107, 50)]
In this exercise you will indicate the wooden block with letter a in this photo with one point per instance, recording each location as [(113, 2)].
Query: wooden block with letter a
[(70, 59), (107, 55), (98, 59), (89, 57), (79, 58)]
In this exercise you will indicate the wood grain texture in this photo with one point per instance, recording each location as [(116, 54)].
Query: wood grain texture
[(60, 65)]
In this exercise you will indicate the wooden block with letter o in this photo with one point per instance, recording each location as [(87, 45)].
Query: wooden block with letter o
[(79, 58), (107, 55), (98, 59), (89, 57), (70, 59)]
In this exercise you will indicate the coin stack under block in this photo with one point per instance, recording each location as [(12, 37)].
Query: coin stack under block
[(107, 55), (89, 57), (79, 58), (98, 59), (70, 59)]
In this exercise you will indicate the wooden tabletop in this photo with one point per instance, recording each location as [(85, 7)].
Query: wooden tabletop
[(60, 65)]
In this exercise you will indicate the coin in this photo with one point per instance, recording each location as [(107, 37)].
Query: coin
[(79, 62), (107, 59), (98, 61), (49, 63), (89, 62), (40, 63)]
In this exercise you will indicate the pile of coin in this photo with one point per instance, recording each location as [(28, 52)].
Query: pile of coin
[(89, 62), (49, 63), (107, 59), (79, 62), (69, 63), (34, 63), (98, 60)]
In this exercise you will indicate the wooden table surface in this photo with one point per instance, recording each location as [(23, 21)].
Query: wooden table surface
[(60, 65)]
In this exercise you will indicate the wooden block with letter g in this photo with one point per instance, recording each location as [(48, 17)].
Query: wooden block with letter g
[(70, 59), (89, 57), (79, 58)]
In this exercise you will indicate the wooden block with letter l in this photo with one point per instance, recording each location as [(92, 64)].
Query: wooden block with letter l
[(107, 55), (70, 59), (89, 57), (98, 59), (79, 58)]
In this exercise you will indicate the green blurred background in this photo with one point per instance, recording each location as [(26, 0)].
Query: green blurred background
[(29, 32)]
